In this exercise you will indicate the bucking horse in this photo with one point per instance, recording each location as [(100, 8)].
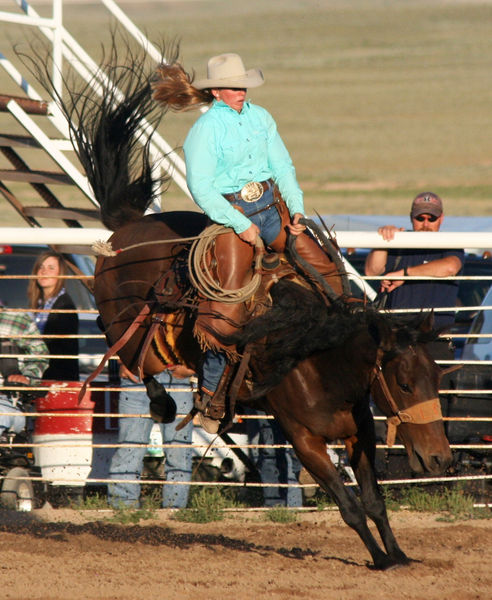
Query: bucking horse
[(311, 360)]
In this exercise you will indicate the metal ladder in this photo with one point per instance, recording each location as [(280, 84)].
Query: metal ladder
[(24, 108)]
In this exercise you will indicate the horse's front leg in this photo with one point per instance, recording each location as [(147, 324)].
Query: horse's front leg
[(361, 450), (311, 451)]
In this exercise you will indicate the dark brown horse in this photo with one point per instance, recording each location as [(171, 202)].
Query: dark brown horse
[(314, 362), (314, 365)]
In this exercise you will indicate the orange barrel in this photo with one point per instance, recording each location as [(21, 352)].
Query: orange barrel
[(66, 456)]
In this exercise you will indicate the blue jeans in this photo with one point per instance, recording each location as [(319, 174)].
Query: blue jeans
[(269, 224), (276, 465), (213, 366), (127, 463), (268, 221), (17, 422)]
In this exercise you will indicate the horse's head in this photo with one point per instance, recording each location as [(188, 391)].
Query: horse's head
[(405, 388)]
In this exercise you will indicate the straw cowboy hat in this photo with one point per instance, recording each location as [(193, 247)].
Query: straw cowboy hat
[(227, 71)]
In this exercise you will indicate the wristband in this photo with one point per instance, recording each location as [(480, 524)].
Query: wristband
[(405, 272)]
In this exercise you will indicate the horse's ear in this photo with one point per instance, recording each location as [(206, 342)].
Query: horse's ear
[(427, 325), (382, 334)]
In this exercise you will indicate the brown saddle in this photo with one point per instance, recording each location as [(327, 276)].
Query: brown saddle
[(173, 316)]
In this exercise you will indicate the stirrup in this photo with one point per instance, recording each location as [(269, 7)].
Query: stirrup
[(211, 409), (212, 406)]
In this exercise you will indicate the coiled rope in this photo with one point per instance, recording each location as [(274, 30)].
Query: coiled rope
[(202, 277), (199, 271)]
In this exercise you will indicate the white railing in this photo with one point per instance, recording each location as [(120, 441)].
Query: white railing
[(345, 239), (199, 447)]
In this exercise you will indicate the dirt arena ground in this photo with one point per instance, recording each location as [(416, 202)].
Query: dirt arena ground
[(60, 554)]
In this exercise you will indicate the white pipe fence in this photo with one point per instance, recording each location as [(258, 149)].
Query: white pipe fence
[(467, 447), (66, 48), (346, 239)]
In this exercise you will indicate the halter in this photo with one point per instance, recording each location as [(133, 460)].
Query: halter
[(421, 413)]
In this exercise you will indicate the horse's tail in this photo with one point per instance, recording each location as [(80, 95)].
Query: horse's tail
[(107, 144), (104, 119)]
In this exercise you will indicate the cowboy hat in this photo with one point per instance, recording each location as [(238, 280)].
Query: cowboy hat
[(227, 71)]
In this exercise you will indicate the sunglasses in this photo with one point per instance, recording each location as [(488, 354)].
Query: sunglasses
[(422, 218)]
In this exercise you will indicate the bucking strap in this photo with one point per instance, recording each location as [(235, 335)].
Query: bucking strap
[(115, 348)]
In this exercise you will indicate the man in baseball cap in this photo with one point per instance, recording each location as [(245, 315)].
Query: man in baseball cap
[(426, 214)]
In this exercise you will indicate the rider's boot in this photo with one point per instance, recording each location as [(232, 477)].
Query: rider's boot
[(310, 251), (210, 402), (211, 407)]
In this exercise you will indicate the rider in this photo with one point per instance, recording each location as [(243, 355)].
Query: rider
[(241, 175)]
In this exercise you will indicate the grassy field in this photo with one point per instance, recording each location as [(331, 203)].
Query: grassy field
[(375, 100)]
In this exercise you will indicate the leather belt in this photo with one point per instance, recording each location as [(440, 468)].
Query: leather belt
[(251, 192)]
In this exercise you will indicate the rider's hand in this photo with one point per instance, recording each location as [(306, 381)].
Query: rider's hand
[(18, 378), (249, 236), (295, 228)]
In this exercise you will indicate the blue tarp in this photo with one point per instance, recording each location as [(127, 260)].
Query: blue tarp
[(372, 222)]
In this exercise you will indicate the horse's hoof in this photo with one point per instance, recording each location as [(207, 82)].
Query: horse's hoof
[(404, 561), (163, 412), (162, 406), (391, 563)]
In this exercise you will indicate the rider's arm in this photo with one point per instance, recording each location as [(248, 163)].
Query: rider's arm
[(282, 168)]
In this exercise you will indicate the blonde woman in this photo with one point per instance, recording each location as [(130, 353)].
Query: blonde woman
[(47, 292)]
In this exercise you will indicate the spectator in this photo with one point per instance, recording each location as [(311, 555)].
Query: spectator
[(426, 215), (127, 463), (275, 465), (25, 370), (47, 292)]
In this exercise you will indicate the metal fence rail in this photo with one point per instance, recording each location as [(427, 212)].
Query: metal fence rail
[(481, 447)]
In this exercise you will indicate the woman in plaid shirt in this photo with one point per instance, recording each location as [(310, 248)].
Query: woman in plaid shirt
[(27, 370)]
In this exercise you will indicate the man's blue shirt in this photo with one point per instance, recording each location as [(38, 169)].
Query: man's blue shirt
[(423, 294)]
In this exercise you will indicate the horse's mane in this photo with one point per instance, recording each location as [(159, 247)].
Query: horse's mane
[(104, 116), (300, 324)]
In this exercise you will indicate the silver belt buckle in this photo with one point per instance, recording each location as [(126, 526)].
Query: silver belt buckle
[(252, 191)]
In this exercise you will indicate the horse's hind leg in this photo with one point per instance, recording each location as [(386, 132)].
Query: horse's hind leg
[(361, 452), (311, 451)]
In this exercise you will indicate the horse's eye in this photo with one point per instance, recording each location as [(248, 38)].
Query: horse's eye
[(405, 387)]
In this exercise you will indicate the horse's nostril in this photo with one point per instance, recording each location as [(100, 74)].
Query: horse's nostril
[(439, 463)]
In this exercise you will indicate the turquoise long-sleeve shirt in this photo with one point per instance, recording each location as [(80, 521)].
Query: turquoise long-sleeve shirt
[(225, 149)]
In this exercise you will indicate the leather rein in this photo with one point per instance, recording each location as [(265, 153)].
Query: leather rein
[(421, 413)]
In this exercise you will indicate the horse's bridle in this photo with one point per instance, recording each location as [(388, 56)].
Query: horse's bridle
[(421, 413)]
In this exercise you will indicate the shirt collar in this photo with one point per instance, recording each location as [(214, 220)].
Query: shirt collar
[(220, 104)]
